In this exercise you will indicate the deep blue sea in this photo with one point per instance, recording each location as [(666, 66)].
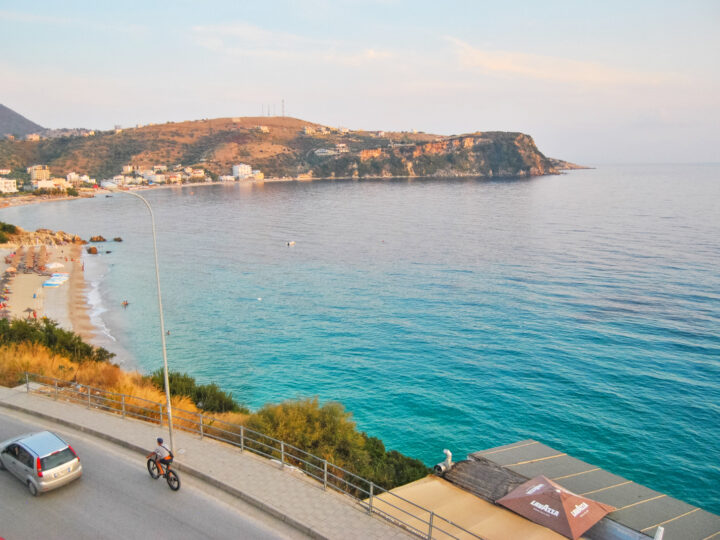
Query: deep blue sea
[(582, 310)]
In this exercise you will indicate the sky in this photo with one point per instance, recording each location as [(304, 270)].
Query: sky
[(592, 82)]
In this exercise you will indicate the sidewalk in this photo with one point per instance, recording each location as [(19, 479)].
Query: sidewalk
[(283, 493)]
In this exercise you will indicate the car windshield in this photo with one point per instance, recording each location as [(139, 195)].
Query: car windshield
[(57, 459)]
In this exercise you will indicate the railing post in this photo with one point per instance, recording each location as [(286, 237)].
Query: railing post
[(370, 499), (160, 405), (282, 454), (201, 425), (430, 526), (56, 390), (88, 392), (324, 473), (242, 438), (123, 405), (27, 382)]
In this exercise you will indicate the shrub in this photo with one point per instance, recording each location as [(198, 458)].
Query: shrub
[(329, 432), (8, 228), (58, 340), (208, 397)]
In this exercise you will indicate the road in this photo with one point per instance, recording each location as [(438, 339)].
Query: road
[(116, 498)]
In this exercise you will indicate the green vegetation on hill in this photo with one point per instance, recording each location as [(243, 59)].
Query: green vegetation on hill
[(5, 229)]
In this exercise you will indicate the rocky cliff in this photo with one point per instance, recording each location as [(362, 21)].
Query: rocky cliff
[(478, 154)]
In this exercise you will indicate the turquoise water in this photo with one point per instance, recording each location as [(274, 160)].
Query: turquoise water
[(581, 310)]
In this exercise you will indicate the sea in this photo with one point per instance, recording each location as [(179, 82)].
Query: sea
[(581, 310)]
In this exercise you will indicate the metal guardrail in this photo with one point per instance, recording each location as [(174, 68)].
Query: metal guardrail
[(371, 497)]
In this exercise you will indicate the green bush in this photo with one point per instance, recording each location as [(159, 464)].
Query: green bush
[(8, 228), (208, 397), (47, 332), (328, 431)]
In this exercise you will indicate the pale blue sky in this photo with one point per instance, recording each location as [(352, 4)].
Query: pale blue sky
[(592, 82)]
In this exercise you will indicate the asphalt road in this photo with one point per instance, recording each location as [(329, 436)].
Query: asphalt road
[(116, 498)]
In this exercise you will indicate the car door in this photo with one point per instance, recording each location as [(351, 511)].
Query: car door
[(11, 460), (26, 465)]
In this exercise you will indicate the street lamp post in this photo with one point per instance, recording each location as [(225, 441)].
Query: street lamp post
[(160, 309)]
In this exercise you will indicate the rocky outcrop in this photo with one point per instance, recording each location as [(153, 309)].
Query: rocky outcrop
[(491, 154), (43, 237)]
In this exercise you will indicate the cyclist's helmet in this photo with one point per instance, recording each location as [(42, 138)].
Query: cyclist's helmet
[(159, 440)]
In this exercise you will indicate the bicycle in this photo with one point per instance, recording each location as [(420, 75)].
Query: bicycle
[(171, 476)]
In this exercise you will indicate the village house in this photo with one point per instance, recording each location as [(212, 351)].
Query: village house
[(39, 172), (241, 170), (8, 185)]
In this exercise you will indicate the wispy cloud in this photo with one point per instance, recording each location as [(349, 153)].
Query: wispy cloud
[(246, 40), (550, 68)]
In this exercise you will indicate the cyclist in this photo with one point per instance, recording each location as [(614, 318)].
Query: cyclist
[(163, 456)]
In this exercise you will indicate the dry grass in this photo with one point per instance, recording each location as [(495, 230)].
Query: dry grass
[(16, 359)]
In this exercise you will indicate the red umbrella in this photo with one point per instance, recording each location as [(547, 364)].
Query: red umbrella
[(549, 504)]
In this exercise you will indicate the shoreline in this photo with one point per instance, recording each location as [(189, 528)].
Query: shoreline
[(66, 304), (90, 193)]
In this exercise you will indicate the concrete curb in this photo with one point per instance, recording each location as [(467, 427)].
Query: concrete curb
[(179, 466)]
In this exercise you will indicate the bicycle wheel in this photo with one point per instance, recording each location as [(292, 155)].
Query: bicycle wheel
[(153, 469), (173, 480)]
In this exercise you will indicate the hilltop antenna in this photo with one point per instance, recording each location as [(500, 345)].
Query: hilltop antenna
[(283, 107), (273, 109), (262, 110)]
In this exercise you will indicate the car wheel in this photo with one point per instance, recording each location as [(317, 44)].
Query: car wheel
[(32, 488), (2, 467)]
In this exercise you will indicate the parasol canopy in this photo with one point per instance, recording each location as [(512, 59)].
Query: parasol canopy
[(549, 504)]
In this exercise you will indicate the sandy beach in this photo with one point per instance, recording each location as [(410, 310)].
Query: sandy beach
[(27, 298)]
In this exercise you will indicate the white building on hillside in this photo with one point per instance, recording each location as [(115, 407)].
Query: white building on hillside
[(8, 185), (241, 170), (73, 178), (39, 172)]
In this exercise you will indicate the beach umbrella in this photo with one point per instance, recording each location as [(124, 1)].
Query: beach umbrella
[(42, 257), (30, 257), (549, 504)]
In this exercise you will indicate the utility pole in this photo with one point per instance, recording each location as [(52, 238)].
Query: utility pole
[(283, 107)]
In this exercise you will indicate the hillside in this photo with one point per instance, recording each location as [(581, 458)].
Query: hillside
[(12, 123), (282, 148)]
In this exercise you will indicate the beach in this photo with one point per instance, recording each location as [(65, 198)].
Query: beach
[(66, 303)]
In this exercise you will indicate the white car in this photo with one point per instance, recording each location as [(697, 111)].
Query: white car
[(42, 461)]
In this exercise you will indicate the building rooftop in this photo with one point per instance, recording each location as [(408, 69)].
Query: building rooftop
[(492, 473)]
